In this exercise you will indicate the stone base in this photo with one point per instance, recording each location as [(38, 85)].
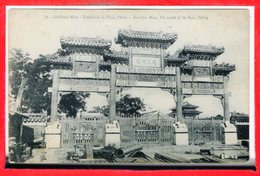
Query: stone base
[(229, 132), (112, 134), (181, 135), (53, 135)]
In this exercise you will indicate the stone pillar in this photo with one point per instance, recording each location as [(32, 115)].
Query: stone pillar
[(229, 130), (162, 58), (90, 146), (133, 130), (53, 135), (181, 135), (180, 130), (112, 132), (179, 95), (55, 95), (130, 57), (226, 102), (112, 100)]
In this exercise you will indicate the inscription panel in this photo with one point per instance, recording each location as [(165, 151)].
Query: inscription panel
[(145, 61), (142, 80), (69, 74), (200, 60), (202, 88), (203, 91), (85, 67), (201, 71), (84, 82), (145, 70), (84, 57), (81, 88), (146, 51)]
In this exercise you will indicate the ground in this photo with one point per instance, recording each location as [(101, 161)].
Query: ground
[(181, 153)]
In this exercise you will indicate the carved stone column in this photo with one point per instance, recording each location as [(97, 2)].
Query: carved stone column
[(180, 129), (55, 95), (179, 95), (226, 101), (112, 100), (229, 130)]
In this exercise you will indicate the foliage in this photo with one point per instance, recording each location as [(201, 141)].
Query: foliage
[(71, 103), (17, 69), (126, 106), (36, 98)]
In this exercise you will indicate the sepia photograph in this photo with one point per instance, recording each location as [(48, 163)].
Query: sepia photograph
[(135, 87)]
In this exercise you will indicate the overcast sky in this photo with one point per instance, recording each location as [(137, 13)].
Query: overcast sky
[(38, 32)]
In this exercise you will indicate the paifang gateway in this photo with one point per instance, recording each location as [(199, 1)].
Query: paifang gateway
[(90, 65)]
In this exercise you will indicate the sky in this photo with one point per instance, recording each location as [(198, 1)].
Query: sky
[(39, 31)]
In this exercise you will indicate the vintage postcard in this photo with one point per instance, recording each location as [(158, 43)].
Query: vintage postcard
[(130, 86)]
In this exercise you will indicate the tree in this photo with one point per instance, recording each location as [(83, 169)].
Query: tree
[(36, 98), (71, 103), (17, 69), (126, 106), (37, 72)]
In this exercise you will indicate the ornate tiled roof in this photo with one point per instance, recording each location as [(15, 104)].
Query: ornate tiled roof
[(60, 62), (203, 49), (145, 36), (105, 63), (191, 112), (239, 117), (189, 106), (223, 69), (83, 41), (116, 55), (175, 59), (36, 119), (187, 112)]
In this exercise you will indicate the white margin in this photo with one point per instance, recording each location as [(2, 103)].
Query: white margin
[(252, 85)]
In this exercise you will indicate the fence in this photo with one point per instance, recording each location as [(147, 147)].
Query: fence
[(78, 131), (146, 129), (204, 130)]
